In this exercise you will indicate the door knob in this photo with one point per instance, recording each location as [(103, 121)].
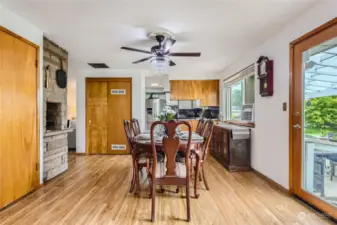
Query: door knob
[(297, 126)]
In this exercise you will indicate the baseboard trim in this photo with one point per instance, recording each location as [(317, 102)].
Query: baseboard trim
[(272, 183)]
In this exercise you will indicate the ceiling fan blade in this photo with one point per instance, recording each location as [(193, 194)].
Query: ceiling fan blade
[(168, 43), (172, 63), (142, 60), (186, 54), (136, 50)]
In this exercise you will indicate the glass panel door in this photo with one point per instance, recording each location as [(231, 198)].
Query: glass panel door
[(319, 154), (314, 120)]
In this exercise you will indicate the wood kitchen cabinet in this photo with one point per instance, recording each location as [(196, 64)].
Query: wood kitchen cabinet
[(193, 124), (205, 90), (209, 93)]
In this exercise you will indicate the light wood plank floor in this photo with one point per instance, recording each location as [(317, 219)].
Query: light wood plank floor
[(95, 191)]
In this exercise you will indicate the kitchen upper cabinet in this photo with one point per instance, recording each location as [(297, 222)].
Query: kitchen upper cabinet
[(209, 93), (183, 89), (205, 90)]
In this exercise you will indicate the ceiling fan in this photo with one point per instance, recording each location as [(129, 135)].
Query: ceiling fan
[(161, 52)]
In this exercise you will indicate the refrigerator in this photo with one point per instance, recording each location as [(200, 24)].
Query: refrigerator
[(153, 109)]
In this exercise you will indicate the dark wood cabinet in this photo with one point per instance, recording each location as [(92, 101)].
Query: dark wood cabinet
[(234, 154)]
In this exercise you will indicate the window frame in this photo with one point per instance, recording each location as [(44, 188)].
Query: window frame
[(228, 83)]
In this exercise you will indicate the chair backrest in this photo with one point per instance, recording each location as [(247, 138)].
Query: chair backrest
[(135, 127), (200, 126), (128, 134), (170, 147), (203, 130), (207, 134)]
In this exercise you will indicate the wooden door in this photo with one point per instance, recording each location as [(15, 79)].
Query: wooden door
[(313, 81), (19, 138), (108, 104), (97, 116), (119, 107)]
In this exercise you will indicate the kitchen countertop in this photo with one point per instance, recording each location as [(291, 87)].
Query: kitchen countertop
[(232, 126), (190, 118), (196, 118), (238, 132)]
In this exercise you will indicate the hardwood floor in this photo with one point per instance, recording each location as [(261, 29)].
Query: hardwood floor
[(95, 191)]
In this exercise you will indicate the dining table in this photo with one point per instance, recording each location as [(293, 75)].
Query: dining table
[(142, 144), (143, 140)]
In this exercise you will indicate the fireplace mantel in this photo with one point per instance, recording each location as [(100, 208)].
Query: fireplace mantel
[(57, 132)]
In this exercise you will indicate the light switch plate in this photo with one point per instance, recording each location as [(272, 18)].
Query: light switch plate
[(284, 106)]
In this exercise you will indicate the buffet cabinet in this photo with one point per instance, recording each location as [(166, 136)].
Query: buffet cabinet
[(230, 145)]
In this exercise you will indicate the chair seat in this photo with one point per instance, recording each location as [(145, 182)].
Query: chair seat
[(180, 169), (142, 159)]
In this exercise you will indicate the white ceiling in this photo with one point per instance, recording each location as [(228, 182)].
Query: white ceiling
[(222, 30)]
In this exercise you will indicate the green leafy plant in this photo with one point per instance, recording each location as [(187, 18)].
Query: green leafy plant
[(321, 114), (167, 114)]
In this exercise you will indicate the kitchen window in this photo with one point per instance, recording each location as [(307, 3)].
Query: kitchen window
[(239, 96)]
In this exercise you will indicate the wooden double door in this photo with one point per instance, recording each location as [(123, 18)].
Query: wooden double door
[(108, 104), (19, 121)]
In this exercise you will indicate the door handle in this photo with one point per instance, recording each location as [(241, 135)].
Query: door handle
[(297, 126)]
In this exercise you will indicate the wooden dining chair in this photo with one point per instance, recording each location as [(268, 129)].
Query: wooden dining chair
[(135, 127), (200, 126), (203, 129), (200, 156), (170, 172), (139, 159)]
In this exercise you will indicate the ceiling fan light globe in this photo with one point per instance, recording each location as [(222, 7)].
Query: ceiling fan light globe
[(160, 63)]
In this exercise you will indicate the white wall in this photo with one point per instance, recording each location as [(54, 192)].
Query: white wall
[(138, 99), (270, 142), (71, 97), (22, 27)]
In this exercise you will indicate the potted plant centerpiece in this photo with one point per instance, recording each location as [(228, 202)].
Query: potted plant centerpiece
[(167, 114)]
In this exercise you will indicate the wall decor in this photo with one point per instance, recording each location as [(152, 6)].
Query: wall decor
[(265, 74), (61, 76), (46, 76)]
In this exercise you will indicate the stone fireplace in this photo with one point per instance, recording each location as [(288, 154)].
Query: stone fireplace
[(55, 156), (54, 116)]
